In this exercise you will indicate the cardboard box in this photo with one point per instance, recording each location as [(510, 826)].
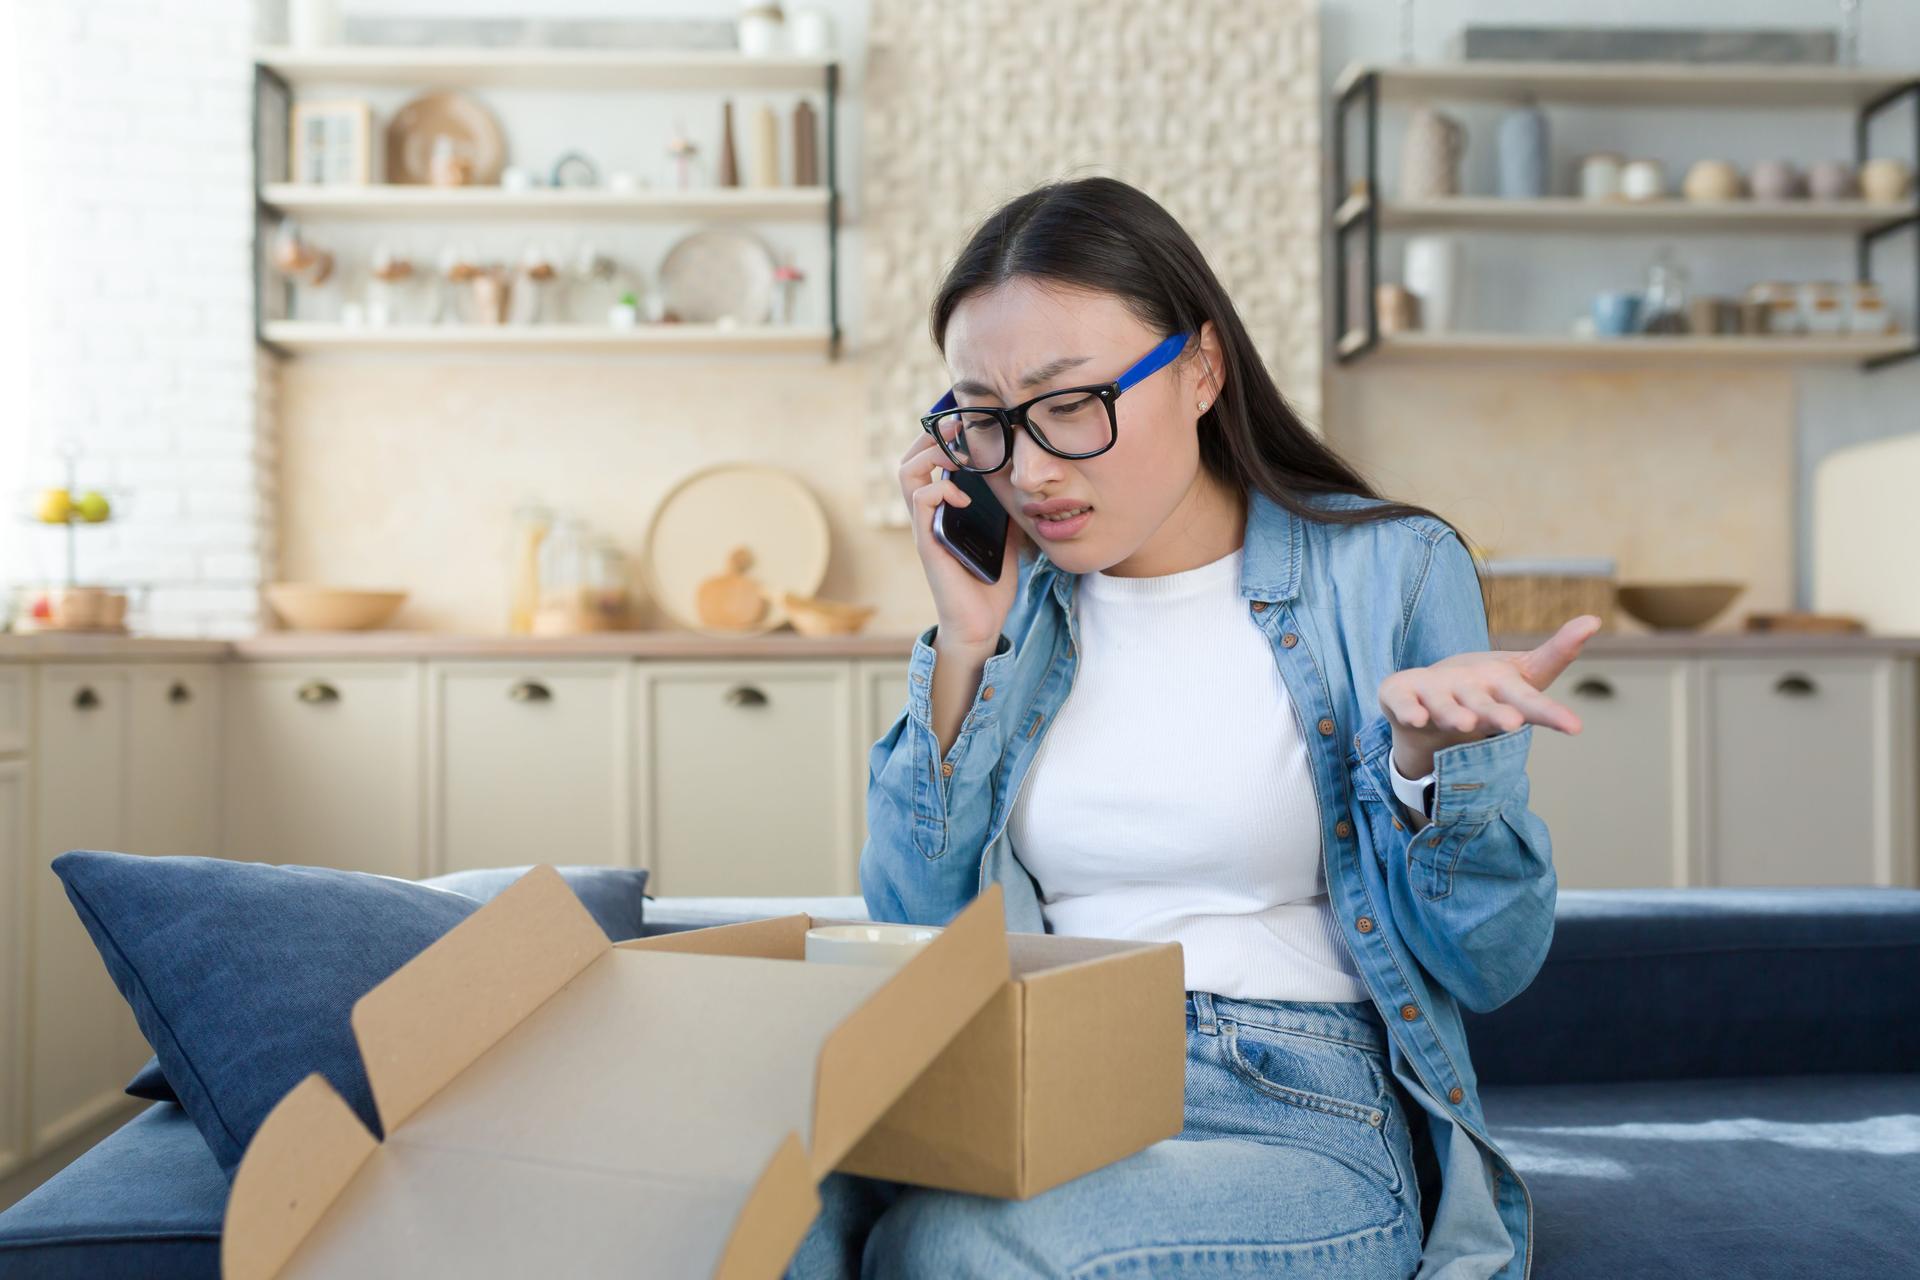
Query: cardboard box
[(668, 1106), (1078, 1061), (555, 1105)]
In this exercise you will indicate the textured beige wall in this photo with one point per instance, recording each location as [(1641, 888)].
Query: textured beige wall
[(1674, 474)]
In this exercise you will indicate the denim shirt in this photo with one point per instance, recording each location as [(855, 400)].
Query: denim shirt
[(1460, 912)]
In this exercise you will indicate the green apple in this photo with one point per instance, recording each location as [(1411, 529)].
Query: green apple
[(94, 507)]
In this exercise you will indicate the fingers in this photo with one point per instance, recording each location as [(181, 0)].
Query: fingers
[(1398, 700), (1485, 703), (1543, 665)]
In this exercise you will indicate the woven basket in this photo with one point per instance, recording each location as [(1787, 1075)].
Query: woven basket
[(1536, 603)]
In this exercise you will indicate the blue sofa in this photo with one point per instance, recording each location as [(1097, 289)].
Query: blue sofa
[(1700, 1083)]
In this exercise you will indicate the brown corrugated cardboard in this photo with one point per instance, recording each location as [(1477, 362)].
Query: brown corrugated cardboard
[(1079, 1060), (556, 1105)]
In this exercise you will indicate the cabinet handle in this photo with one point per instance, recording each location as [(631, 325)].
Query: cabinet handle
[(745, 695), (1593, 687), (85, 699), (530, 691), (1795, 686), (317, 691), (179, 694)]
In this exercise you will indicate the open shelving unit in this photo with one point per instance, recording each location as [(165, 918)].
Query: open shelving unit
[(278, 71), (1868, 93)]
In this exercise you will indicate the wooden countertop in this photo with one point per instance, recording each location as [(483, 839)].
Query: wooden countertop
[(689, 646)]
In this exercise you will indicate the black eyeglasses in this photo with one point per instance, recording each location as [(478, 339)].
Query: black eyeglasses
[(1069, 422)]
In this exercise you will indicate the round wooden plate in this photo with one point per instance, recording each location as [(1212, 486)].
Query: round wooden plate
[(712, 511), (476, 137)]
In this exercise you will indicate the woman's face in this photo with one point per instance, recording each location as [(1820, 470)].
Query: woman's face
[(1012, 343)]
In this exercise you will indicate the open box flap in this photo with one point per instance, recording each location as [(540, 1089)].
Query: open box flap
[(599, 1143), (438, 1013)]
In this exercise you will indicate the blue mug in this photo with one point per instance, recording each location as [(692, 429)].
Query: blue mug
[(1615, 315)]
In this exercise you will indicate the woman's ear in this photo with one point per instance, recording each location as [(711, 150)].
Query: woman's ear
[(1212, 366)]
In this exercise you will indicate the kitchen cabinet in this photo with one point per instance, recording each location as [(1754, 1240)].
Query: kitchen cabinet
[(1809, 772), (323, 765), (529, 764), (880, 695), (173, 760), (743, 777), (84, 1042), (1614, 795), (15, 691), (14, 939)]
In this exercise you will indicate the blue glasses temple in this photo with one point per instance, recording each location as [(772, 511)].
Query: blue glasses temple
[(1147, 365)]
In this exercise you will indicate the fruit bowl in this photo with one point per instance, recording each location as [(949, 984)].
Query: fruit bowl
[(1677, 606), (308, 606)]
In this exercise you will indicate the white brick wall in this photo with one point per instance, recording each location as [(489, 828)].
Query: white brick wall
[(138, 201)]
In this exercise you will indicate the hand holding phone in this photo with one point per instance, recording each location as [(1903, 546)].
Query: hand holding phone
[(968, 544)]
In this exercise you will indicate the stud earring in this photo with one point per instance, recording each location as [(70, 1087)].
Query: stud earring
[(1204, 404)]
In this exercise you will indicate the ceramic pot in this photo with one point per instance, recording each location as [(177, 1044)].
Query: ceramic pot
[(1430, 155), (1523, 153), (1711, 180)]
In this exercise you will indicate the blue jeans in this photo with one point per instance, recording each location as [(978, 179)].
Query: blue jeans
[(1295, 1158)]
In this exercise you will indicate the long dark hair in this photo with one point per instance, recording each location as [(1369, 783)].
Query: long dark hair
[(1100, 233)]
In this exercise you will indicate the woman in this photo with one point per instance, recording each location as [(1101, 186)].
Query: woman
[(1286, 748)]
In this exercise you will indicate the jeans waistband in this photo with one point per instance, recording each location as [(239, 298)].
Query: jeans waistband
[(1351, 1022)]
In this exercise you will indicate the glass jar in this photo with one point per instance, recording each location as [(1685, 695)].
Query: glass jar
[(1665, 307), (564, 607), (607, 584), (531, 521)]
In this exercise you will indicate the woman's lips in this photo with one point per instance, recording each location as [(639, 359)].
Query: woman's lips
[(1055, 529)]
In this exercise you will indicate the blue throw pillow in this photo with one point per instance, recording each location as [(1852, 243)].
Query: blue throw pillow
[(242, 975), (614, 896)]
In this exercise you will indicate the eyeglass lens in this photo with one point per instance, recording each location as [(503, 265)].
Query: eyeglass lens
[(1071, 422)]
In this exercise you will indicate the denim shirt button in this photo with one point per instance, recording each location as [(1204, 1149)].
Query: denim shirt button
[(946, 768), (1343, 828), (1289, 640), (1259, 606), (1364, 924), (1326, 728), (1408, 1012), (1456, 1095)]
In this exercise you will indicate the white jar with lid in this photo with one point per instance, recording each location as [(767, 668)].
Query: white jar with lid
[(763, 28), (1600, 176)]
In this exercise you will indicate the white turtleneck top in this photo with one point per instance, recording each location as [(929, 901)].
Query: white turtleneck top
[(1171, 799)]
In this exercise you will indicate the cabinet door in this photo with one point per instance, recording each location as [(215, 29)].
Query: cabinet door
[(529, 764), (84, 1041), (1614, 795), (880, 695), (1808, 770), (14, 685), (14, 959), (323, 765), (743, 778), (173, 761)]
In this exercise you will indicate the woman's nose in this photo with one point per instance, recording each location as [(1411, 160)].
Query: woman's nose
[(1032, 467)]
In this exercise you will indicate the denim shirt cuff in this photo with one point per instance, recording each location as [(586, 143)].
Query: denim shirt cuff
[(998, 668), (1472, 780)]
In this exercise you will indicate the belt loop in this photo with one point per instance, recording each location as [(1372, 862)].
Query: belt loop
[(1203, 1014)]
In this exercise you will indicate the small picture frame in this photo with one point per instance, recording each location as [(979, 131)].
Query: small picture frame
[(332, 143)]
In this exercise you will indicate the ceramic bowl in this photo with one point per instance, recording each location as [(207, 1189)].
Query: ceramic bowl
[(307, 606), (813, 616), (1676, 606), (884, 945)]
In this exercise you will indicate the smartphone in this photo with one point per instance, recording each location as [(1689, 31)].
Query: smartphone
[(976, 534)]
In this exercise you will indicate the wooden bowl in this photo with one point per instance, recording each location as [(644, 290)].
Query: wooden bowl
[(1677, 606), (813, 616), (307, 606)]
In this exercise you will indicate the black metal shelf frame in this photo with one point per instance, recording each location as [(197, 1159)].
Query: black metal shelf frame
[(272, 118), (1363, 95)]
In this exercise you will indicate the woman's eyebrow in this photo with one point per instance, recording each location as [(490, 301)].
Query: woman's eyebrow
[(1034, 378)]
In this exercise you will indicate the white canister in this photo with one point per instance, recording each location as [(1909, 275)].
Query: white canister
[(313, 22), (1643, 180), (810, 31), (1431, 272), (1600, 176), (762, 29)]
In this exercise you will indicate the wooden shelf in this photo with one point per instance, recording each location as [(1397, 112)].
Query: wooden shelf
[(521, 68), (308, 337), (382, 202), (1680, 349), (1571, 213), (1636, 83)]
